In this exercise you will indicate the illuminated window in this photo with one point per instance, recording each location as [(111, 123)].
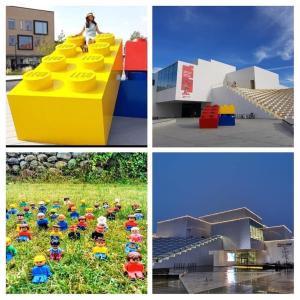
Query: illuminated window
[(256, 233), (230, 256), (167, 78)]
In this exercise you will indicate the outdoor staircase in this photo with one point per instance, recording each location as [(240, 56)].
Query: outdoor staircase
[(185, 249), (277, 102)]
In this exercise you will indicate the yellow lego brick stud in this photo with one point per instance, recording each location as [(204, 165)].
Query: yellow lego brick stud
[(69, 99), (227, 109)]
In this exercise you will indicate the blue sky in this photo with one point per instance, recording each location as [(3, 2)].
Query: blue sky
[(242, 36), (201, 183), (120, 20)]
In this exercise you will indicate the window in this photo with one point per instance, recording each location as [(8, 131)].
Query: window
[(256, 233), (230, 256), (26, 25), (25, 42), (11, 24), (12, 40), (40, 27), (167, 77)]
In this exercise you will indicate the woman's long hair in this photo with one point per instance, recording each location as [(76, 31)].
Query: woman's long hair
[(87, 22)]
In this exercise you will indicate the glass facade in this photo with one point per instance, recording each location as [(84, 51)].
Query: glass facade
[(167, 77), (11, 24), (25, 42), (40, 27), (256, 233)]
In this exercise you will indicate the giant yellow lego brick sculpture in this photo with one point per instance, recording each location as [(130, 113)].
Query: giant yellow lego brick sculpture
[(69, 98)]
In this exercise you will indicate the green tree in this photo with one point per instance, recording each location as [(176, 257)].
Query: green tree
[(136, 35)]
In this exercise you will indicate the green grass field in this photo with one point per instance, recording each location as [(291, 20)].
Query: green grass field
[(78, 272)]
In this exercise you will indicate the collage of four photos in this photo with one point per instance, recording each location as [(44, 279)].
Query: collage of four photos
[(149, 149)]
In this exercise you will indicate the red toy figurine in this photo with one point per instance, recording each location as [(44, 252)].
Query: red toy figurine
[(89, 214), (130, 223), (24, 233), (82, 225), (134, 268)]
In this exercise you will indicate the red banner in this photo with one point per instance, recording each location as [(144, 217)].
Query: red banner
[(187, 80)]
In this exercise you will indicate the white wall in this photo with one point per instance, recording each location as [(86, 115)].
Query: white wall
[(207, 74), (167, 110), (224, 95), (264, 79), (274, 253)]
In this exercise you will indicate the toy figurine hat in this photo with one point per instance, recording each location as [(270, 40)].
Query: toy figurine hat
[(24, 225), (131, 216), (39, 258), (61, 217), (13, 205), (19, 214), (102, 220), (117, 200), (134, 255), (134, 228), (26, 208), (41, 203), (82, 218), (138, 210), (53, 210), (73, 208), (82, 201), (8, 240), (56, 226), (41, 215)]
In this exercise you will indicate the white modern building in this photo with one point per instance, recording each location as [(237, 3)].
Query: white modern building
[(183, 89), (235, 237)]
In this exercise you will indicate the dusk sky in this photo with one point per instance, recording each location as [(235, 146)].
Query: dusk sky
[(240, 36), (202, 183)]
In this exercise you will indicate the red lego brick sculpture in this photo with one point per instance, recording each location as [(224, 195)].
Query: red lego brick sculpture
[(136, 55), (209, 117)]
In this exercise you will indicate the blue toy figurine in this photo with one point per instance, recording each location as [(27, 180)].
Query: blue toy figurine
[(42, 222), (131, 247), (42, 207), (63, 225), (13, 209), (41, 271), (74, 213), (138, 214)]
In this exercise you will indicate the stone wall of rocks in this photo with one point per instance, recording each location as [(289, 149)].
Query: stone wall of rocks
[(28, 164)]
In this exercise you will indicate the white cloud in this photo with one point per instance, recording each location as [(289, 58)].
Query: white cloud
[(280, 19)]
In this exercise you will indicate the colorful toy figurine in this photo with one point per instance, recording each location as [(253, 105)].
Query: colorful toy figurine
[(134, 268), (41, 271), (82, 204), (117, 205), (23, 203), (111, 214), (67, 201), (74, 213), (134, 206), (42, 221), (73, 234), (99, 232), (13, 209), (24, 233), (97, 206), (55, 233), (56, 204), (55, 251), (20, 220), (82, 225), (10, 250), (100, 250), (7, 214), (42, 207), (135, 235), (70, 205), (47, 202), (27, 212), (105, 205), (103, 221), (32, 206), (138, 214), (63, 225), (89, 214), (131, 247), (53, 214), (130, 223)]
